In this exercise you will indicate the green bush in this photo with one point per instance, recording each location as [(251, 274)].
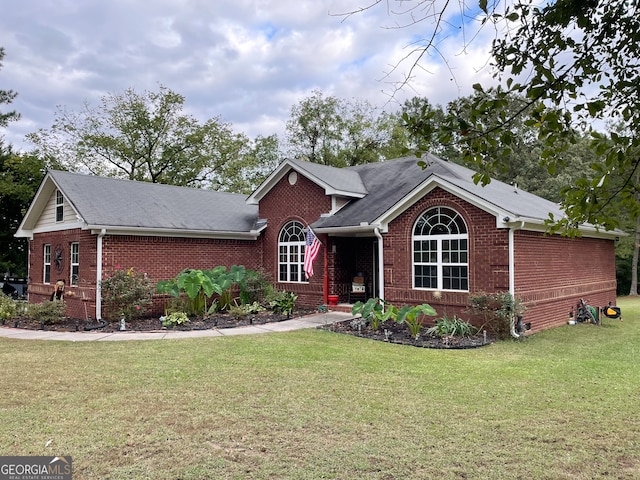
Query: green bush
[(244, 309), (283, 302), (8, 308), (497, 311), (126, 293), (47, 312), (175, 319), (255, 287)]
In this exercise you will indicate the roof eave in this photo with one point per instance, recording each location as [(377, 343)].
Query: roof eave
[(170, 232)]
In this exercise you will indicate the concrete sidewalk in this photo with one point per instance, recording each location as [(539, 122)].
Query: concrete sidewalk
[(309, 321)]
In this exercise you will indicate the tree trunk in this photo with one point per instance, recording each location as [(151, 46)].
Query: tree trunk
[(634, 265)]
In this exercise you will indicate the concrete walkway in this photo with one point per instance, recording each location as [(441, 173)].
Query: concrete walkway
[(309, 321)]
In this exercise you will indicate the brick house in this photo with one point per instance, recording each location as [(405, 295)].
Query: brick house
[(406, 234)]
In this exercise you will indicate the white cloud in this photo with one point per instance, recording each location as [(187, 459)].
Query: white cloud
[(247, 61)]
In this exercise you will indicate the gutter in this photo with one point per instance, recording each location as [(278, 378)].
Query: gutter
[(99, 274), (380, 263), (164, 232)]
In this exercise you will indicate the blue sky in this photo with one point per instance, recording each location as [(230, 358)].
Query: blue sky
[(247, 62)]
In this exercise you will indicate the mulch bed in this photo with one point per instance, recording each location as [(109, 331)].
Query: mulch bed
[(388, 331), (149, 324), (393, 332)]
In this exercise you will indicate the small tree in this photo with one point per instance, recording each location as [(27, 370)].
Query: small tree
[(126, 293)]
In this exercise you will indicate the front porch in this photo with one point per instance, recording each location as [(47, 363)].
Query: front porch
[(353, 271)]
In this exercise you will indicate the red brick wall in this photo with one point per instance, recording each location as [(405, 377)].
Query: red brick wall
[(39, 291), (488, 255), (164, 257), (552, 273), (304, 202), (160, 257)]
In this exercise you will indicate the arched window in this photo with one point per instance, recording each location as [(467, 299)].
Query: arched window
[(291, 243), (441, 251)]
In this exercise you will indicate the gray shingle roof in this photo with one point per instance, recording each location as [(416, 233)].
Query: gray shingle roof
[(109, 202), (389, 182), (338, 179)]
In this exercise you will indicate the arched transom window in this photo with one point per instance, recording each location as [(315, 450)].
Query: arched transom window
[(441, 251), (291, 244)]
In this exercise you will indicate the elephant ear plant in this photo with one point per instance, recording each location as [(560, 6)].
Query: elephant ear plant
[(376, 311), (413, 316), (198, 285)]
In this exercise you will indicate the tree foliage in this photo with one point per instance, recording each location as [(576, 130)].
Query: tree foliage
[(576, 64), (341, 133), (143, 136), (7, 96), (20, 177)]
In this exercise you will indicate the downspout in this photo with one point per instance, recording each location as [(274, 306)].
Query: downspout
[(380, 263), (325, 299), (512, 274), (99, 274)]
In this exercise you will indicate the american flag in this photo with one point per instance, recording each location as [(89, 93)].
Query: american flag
[(312, 248)]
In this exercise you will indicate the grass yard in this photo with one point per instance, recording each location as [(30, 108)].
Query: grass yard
[(564, 404)]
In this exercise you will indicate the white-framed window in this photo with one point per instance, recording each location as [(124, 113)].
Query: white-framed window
[(291, 244), (441, 251), (46, 274), (75, 263), (59, 206)]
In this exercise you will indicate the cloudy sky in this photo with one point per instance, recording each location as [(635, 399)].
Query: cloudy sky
[(246, 61)]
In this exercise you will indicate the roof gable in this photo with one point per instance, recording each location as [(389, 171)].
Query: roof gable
[(342, 182), (144, 208)]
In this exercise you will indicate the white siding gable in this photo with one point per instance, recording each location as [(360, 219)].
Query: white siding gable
[(47, 221)]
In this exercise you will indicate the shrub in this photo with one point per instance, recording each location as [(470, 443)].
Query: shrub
[(47, 312), (126, 293), (497, 311), (255, 286), (244, 309), (283, 302), (8, 307), (174, 319), (452, 327)]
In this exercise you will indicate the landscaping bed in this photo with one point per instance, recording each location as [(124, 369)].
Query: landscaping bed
[(147, 324), (392, 332)]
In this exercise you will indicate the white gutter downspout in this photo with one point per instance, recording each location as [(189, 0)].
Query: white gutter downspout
[(512, 274), (99, 274), (380, 264)]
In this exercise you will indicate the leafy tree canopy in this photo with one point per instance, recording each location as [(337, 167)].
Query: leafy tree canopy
[(576, 64), (7, 96), (143, 136), (342, 133)]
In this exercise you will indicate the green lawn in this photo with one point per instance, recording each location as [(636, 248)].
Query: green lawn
[(564, 404)]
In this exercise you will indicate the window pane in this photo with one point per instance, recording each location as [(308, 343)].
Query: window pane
[(283, 273), (426, 276)]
